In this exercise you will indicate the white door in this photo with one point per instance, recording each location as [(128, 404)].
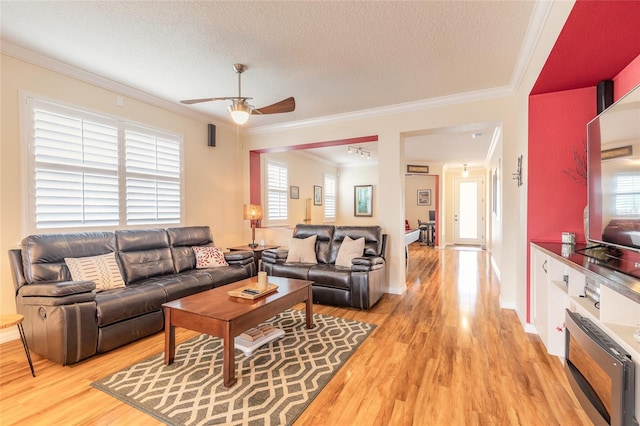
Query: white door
[(468, 218)]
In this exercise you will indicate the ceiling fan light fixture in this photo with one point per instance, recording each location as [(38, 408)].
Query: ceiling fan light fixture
[(240, 112)]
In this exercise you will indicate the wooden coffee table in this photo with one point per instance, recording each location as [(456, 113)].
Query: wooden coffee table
[(216, 313)]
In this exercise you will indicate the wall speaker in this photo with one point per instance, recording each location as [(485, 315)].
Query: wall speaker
[(604, 95), (212, 135)]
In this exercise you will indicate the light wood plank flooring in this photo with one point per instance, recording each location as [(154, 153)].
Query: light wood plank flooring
[(443, 353)]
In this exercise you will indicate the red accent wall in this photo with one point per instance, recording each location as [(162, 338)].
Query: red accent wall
[(627, 79), (557, 127), (598, 42)]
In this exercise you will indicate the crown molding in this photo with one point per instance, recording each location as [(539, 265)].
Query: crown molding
[(539, 16), (19, 52), (387, 110)]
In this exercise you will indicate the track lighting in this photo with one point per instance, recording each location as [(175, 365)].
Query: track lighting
[(359, 151)]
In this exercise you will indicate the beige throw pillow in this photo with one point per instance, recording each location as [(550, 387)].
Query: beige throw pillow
[(348, 250), (302, 250), (103, 270), (209, 257)]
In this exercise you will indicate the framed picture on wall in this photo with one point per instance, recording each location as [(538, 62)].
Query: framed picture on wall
[(294, 192), (424, 197), (363, 200), (317, 195)]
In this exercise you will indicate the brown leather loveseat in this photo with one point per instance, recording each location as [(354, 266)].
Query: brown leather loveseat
[(67, 321), (359, 285)]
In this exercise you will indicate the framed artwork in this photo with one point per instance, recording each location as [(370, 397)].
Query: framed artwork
[(424, 197), (294, 192), (363, 200), (411, 168), (317, 195)]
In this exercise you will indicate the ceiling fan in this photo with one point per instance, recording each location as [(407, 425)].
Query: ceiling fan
[(240, 110)]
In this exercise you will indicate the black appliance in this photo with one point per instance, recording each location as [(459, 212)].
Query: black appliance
[(601, 373)]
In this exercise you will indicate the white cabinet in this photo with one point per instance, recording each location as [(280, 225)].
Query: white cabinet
[(539, 285), (558, 301), (551, 282), (557, 283), (557, 280)]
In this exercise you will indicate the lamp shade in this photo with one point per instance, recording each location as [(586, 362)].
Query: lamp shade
[(252, 212), (240, 112)]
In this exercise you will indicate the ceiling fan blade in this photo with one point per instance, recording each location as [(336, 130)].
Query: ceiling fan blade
[(285, 105), (196, 101)]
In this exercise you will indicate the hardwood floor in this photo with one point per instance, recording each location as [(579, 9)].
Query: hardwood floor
[(443, 353)]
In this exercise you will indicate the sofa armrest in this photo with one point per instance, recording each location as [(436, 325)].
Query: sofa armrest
[(60, 321), (368, 263), (57, 293), (237, 257), (277, 255)]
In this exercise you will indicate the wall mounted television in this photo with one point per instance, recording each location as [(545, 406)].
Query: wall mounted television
[(613, 152)]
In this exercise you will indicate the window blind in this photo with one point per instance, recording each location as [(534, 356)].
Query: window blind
[(329, 197), (75, 171), (152, 168), (89, 170), (277, 197), (627, 195)]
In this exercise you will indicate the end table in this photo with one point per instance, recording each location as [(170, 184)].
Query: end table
[(257, 252)]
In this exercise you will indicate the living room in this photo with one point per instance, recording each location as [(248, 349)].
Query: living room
[(218, 180)]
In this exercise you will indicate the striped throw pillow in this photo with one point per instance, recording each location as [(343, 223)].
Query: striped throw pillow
[(103, 270)]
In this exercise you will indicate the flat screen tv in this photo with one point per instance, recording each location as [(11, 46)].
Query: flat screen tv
[(613, 152)]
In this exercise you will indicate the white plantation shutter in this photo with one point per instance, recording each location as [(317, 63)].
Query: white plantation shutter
[(329, 197), (627, 195), (152, 168), (75, 168), (88, 170), (277, 197)]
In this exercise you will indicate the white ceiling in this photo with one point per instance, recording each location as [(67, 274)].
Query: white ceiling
[(335, 58)]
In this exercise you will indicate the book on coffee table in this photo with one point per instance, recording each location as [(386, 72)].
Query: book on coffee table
[(254, 338), (258, 332), (252, 292)]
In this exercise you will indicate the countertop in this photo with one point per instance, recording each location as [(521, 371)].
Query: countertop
[(573, 256)]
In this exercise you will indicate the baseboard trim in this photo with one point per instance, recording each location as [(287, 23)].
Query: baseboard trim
[(9, 334)]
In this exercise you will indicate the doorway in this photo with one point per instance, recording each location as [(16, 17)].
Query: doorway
[(468, 216)]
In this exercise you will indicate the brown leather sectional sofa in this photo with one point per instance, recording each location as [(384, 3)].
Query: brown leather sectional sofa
[(625, 232), (358, 286), (67, 321)]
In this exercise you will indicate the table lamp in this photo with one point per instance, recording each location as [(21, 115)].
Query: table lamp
[(253, 212)]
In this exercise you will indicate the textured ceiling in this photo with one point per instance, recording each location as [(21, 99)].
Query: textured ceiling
[(333, 57)]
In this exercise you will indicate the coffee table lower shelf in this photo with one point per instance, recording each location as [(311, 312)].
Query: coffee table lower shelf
[(249, 347)]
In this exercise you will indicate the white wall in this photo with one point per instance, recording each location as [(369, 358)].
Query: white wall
[(349, 178)]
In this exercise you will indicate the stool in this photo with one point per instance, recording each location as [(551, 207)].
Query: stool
[(7, 321)]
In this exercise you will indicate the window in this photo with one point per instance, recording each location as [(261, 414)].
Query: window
[(277, 197), (329, 198), (627, 195), (88, 170), (152, 177)]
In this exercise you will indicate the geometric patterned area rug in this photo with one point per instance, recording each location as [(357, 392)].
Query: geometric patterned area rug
[(274, 385)]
